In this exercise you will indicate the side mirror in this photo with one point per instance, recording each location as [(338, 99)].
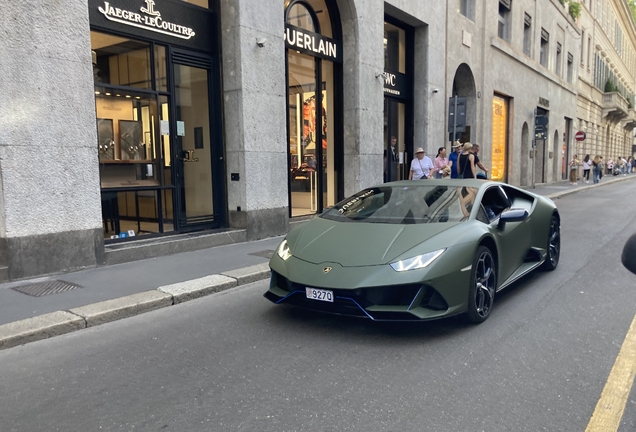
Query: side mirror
[(512, 215), (629, 254)]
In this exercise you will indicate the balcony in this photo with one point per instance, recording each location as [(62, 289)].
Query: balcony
[(629, 122), (615, 107)]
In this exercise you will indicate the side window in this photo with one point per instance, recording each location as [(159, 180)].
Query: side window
[(481, 215), (494, 202)]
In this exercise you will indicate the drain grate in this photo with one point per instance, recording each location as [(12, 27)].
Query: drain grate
[(40, 289), (265, 254)]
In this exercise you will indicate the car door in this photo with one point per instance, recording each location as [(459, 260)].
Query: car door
[(513, 238)]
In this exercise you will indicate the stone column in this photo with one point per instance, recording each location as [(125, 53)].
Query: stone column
[(363, 64), (254, 93), (50, 216)]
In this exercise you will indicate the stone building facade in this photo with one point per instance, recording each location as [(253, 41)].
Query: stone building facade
[(605, 108), (134, 128), (514, 62)]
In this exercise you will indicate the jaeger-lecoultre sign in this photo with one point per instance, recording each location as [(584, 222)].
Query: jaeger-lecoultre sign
[(148, 19)]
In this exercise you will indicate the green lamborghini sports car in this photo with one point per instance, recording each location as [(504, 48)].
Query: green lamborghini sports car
[(417, 250)]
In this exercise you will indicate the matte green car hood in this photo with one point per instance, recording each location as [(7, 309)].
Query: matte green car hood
[(358, 244)]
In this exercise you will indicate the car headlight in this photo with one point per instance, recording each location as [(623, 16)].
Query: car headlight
[(417, 262), (283, 251)]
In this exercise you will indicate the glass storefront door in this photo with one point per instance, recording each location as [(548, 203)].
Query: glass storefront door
[(303, 147), (398, 97), (193, 145), (311, 80), (395, 155)]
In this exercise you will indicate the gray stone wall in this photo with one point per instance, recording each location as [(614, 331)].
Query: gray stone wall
[(48, 157), (364, 95), (254, 96), (501, 67)]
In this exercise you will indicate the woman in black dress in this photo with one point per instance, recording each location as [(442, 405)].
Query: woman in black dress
[(466, 162)]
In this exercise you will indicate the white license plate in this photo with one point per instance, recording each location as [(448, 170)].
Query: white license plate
[(318, 294)]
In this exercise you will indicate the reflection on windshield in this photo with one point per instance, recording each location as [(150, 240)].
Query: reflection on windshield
[(406, 205)]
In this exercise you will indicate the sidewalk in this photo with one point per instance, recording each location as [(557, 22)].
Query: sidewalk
[(114, 292)]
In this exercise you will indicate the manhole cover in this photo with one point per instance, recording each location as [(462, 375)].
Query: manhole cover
[(45, 288), (265, 254)]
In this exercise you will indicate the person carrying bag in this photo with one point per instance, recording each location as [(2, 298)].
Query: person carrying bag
[(466, 163)]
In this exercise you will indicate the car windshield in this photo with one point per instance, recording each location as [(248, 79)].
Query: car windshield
[(415, 204)]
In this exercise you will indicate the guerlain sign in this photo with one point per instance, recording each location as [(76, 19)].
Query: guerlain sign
[(149, 19), (312, 43)]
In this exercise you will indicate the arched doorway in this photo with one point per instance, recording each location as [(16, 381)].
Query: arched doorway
[(464, 87), (314, 104), (525, 156)]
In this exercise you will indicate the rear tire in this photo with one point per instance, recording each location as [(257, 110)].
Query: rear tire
[(554, 245), (483, 285)]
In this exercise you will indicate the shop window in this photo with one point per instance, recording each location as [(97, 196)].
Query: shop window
[(131, 158), (201, 3), (311, 81), (300, 16), (394, 48), (499, 138), (120, 61)]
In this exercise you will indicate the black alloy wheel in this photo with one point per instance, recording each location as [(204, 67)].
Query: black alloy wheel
[(554, 245), (483, 284)]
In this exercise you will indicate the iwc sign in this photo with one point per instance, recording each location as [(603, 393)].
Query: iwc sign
[(396, 85), (170, 21), (149, 19)]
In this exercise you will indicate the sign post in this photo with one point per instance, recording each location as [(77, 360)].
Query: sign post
[(540, 134), (456, 117)]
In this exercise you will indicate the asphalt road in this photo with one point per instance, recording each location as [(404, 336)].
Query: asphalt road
[(235, 362)]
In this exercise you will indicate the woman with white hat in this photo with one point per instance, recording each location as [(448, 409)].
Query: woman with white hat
[(421, 166)]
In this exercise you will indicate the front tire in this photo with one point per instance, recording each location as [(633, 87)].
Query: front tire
[(554, 245), (483, 285)]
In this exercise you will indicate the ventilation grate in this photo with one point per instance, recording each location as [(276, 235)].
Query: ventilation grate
[(40, 289)]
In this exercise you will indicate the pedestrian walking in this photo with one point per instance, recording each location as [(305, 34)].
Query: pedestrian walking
[(574, 168), (466, 162), (597, 169), (629, 165), (587, 163), (421, 166), (440, 162), (452, 159), (623, 165), (475, 151)]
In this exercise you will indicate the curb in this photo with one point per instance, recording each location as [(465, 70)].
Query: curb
[(61, 322), (586, 187)]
